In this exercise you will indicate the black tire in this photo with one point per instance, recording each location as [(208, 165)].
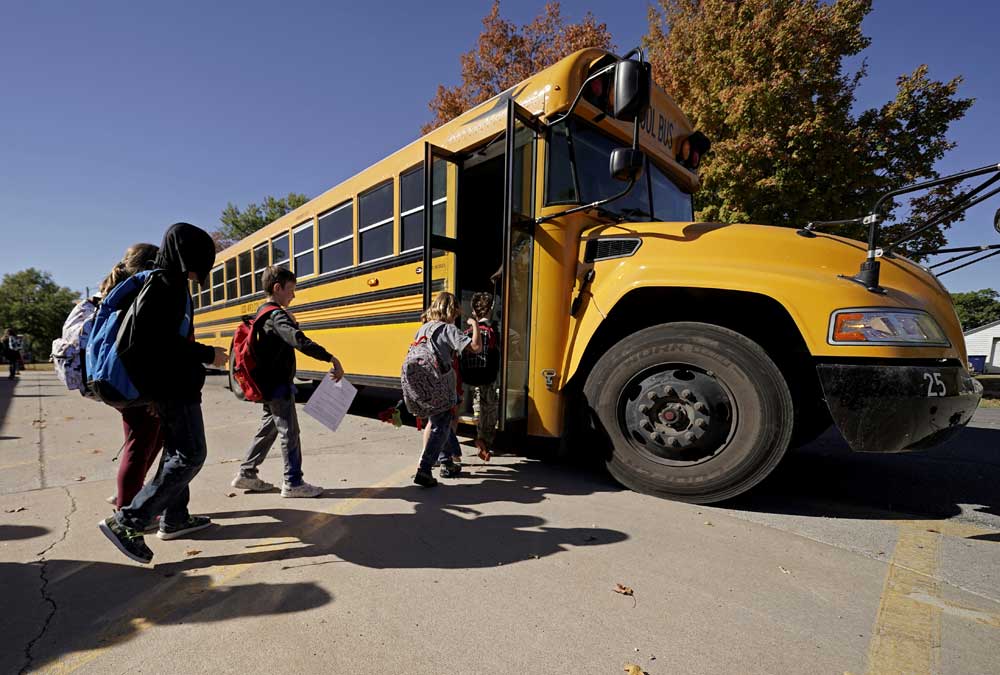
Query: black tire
[(233, 385), (743, 435)]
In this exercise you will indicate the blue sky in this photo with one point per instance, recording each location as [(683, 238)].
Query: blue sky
[(119, 118)]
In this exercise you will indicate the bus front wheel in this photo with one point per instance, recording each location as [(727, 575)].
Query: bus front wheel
[(689, 411)]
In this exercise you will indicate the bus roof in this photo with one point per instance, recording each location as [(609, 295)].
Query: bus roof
[(545, 94)]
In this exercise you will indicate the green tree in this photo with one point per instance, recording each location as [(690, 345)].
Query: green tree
[(766, 81), (35, 306), (238, 223), (977, 308), (506, 54)]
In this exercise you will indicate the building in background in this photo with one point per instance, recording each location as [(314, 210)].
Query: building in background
[(983, 347)]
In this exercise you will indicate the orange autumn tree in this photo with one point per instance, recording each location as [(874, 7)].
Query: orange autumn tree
[(769, 82), (506, 54)]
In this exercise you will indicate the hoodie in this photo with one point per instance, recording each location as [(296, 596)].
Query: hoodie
[(164, 362)]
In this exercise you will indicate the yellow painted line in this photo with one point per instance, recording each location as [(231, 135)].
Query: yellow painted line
[(906, 639), (161, 604)]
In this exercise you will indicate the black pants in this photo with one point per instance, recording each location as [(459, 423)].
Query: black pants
[(184, 452)]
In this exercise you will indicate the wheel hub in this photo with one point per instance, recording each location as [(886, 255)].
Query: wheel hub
[(678, 414)]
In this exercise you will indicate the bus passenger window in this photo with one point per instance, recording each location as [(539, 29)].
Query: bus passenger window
[(206, 295), (218, 285), (259, 263), (195, 299), (231, 278), (375, 224), (411, 210), (246, 274), (336, 238), (303, 249), (279, 252)]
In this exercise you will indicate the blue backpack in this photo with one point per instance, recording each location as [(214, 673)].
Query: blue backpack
[(107, 378)]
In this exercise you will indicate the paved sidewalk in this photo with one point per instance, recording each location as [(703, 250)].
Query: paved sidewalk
[(839, 563)]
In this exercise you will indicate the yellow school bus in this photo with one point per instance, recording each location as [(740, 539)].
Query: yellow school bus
[(691, 355)]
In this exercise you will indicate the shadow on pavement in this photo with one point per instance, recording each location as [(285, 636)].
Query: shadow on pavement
[(443, 531), (827, 479), (12, 532), (98, 605)]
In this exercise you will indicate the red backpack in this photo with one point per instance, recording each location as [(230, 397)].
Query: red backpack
[(244, 361)]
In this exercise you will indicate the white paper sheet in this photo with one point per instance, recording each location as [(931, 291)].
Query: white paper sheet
[(329, 403)]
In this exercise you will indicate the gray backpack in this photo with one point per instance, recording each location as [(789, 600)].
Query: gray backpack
[(426, 388)]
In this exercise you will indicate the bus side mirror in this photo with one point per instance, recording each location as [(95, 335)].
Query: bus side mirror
[(996, 220), (626, 164), (633, 81)]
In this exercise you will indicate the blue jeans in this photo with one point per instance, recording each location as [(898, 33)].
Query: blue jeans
[(184, 452), (281, 419), (441, 441)]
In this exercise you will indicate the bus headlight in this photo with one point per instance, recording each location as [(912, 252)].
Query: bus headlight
[(909, 327)]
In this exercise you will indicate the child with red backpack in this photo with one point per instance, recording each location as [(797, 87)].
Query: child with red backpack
[(274, 337), (480, 370)]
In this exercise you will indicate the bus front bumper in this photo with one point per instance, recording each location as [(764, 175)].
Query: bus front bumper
[(898, 408)]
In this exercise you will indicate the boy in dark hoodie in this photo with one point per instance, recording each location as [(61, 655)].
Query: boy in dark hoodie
[(165, 364)]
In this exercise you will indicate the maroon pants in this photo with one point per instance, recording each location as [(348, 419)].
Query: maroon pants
[(143, 441)]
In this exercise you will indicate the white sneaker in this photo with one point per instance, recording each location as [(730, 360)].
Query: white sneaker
[(251, 484), (304, 490)]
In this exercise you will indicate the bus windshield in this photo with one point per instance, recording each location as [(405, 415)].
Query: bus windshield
[(577, 173)]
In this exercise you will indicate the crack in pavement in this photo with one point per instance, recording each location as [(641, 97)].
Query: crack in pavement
[(43, 589), (43, 481)]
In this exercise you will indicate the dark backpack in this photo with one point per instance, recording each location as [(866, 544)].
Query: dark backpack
[(244, 359), (481, 368)]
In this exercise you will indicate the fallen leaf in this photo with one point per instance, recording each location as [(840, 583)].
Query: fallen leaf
[(231, 494), (69, 418), (709, 523), (79, 478), (633, 669), (783, 570), (192, 551), (624, 590), (95, 452), (230, 461), (17, 510)]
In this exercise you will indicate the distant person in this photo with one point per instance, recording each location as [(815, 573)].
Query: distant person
[(430, 384), (8, 352), (274, 352), (143, 435), (165, 364)]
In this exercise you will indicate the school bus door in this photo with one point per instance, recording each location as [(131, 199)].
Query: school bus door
[(518, 237)]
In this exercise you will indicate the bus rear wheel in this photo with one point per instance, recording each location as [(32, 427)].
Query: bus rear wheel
[(689, 411)]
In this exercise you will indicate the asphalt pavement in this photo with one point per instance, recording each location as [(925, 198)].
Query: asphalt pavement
[(838, 563)]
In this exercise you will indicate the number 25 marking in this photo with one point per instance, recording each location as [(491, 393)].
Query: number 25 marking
[(935, 385)]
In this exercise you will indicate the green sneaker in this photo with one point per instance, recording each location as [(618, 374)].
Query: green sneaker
[(127, 540)]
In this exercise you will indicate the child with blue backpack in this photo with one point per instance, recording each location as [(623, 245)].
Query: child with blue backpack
[(165, 365), (143, 436)]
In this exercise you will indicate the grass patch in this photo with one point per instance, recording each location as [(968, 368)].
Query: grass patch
[(39, 366), (990, 403)]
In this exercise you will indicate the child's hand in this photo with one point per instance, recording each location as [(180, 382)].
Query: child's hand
[(336, 370), (471, 322), (221, 357)]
